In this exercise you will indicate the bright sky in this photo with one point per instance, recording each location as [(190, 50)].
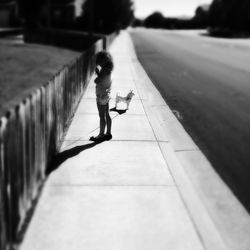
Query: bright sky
[(78, 4), (168, 8)]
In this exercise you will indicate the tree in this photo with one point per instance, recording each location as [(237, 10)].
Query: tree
[(155, 20), (230, 15), (106, 16), (30, 12), (201, 17)]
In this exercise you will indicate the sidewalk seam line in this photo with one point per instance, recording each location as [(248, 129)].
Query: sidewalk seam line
[(90, 185), (113, 140)]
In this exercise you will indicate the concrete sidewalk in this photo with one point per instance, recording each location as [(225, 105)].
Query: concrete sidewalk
[(149, 188)]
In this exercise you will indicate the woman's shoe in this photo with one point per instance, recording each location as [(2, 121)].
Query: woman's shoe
[(108, 137), (98, 138)]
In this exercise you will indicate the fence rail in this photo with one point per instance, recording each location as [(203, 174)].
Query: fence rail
[(30, 134)]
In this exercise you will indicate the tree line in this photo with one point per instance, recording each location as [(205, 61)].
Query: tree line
[(101, 16), (222, 18), (158, 20)]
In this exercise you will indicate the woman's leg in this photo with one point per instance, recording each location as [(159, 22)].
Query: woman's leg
[(101, 111), (108, 119)]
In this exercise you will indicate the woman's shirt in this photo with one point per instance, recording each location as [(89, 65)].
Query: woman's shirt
[(103, 86)]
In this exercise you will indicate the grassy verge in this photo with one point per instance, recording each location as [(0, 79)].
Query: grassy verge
[(24, 67)]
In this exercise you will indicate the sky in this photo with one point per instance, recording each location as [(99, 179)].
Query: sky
[(169, 8), (78, 4)]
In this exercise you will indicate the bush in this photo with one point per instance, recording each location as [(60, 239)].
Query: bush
[(137, 22), (200, 20), (232, 15)]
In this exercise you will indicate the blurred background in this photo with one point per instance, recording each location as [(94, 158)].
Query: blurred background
[(224, 18)]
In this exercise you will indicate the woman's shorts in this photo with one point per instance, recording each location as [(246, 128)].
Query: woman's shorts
[(103, 100)]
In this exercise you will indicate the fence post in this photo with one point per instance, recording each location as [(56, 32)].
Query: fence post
[(4, 234), (12, 178)]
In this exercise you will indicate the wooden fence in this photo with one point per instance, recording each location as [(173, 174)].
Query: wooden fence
[(30, 134)]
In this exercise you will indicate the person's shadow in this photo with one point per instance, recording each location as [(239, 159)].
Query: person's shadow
[(63, 156)]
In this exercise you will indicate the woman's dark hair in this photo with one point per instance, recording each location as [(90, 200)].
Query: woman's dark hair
[(106, 58)]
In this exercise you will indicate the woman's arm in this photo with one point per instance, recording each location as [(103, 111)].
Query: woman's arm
[(97, 71)]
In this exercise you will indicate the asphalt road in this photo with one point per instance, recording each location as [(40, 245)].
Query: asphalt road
[(206, 81)]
